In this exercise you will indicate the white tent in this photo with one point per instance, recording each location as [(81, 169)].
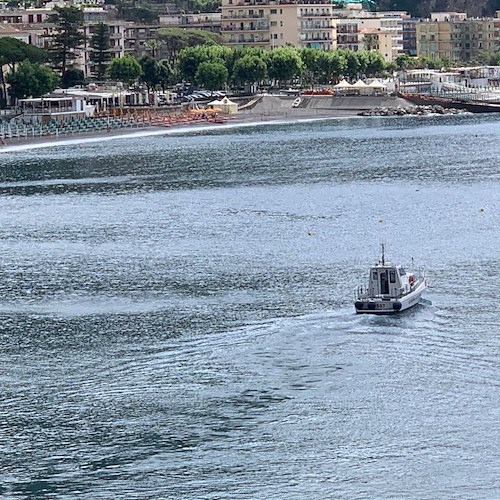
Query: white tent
[(362, 87), (360, 84), (215, 104), (377, 85), (344, 84), (228, 107)]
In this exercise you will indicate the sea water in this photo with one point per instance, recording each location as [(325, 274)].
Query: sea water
[(177, 314)]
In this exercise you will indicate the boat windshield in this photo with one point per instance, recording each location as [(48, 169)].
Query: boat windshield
[(402, 272)]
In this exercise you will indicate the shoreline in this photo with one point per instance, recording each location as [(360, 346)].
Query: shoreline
[(244, 120), (262, 109), (265, 110)]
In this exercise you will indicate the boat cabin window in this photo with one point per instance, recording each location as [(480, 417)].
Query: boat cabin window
[(392, 276), (374, 275), (402, 272)]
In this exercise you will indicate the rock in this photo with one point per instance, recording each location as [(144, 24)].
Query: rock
[(412, 111)]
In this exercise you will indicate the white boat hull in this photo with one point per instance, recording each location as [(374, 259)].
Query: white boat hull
[(391, 305)]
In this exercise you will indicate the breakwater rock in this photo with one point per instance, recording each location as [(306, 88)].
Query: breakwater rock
[(412, 110)]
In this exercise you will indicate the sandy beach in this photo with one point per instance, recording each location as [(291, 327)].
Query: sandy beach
[(266, 109)]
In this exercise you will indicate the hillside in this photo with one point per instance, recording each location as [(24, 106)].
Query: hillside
[(422, 8)]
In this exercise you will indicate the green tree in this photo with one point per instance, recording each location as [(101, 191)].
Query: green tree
[(211, 75), (490, 58), (165, 74), (191, 57), (68, 36), (125, 69), (353, 64), (310, 59), (100, 54), (330, 66), (249, 69), (375, 63), (135, 14), (284, 64), (403, 61), (150, 72), (370, 41), (207, 5), (12, 52), (153, 46), (72, 77), (31, 80), (176, 39)]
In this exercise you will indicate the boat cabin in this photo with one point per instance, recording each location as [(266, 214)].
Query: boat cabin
[(388, 280)]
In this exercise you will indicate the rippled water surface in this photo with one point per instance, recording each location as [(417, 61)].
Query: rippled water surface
[(177, 318)]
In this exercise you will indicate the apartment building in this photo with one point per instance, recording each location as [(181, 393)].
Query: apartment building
[(310, 23), (454, 36), (271, 24), (117, 43), (348, 35), (382, 31), (410, 37), (25, 16), (210, 21)]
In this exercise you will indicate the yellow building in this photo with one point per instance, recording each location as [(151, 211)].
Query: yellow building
[(272, 24), (308, 23), (457, 38)]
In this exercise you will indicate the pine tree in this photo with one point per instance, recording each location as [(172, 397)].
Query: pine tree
[(67, 38), (100, 54)]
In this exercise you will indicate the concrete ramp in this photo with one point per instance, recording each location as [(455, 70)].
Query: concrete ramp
[(317, 105)]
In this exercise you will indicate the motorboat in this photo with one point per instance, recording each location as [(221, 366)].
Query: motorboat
[(390, 289)]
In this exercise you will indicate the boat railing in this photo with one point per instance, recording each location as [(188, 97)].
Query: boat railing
[(361, 292)]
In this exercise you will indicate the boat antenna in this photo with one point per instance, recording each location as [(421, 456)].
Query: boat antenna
[(383, 253)]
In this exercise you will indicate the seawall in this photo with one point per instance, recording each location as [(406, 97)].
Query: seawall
[(273, 105)]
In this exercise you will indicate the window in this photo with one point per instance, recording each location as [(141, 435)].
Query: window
[(392, 276), (274, 11)]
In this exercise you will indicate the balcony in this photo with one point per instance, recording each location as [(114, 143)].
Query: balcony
[(311, 44), (315, 37), (312, 13), (315, 26), (245, 27), (236, 15), (249, 41), (347, 40)]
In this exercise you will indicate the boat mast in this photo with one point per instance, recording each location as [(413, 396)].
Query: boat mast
[(383, 253)]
